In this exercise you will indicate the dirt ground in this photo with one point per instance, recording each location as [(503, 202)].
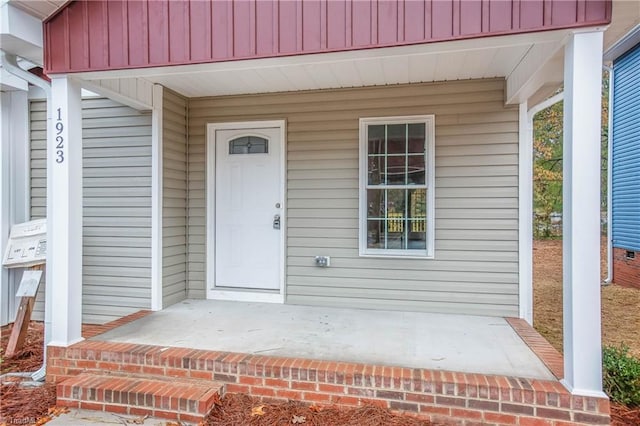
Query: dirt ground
[(620, 306)]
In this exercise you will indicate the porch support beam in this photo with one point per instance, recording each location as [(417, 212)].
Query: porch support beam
[(525, 213), (64, 211), (156, 197), (532, 72), (581, 214), (14, 187)]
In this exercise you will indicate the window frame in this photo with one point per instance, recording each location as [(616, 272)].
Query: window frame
[(429, 122)]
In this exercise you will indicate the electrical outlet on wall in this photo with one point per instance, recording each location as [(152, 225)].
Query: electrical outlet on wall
[(323, 261)]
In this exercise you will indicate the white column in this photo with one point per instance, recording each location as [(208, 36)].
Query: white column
[(581, 214), (14, 187), (156, 198), (525, 210), (5, 294), (64, 211)]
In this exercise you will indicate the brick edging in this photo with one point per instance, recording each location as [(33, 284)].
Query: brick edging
[(91, 330), (549, 355), (442, 396)]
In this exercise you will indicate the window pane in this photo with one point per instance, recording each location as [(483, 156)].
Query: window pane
[(396, 170), (376, 139), (416, 175), (396, 218), (416, 138), (375, 168), (375, 204), (375, 234), (396, 138), (249, 145), (417, 233), (396, 202), (376, 155)]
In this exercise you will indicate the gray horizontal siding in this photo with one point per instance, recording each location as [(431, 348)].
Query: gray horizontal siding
[(117, 206), (475, 269), (174, 193)]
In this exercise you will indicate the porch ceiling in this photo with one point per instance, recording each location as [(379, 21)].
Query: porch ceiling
[(38, 8), (472, 344), (487, 57)]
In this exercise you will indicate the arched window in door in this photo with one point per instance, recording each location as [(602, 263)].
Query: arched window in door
[(249, 145)]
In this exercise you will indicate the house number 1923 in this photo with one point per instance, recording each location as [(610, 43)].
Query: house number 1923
[(59, 139)]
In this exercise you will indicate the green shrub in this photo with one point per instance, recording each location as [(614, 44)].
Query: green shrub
[(621, 375)]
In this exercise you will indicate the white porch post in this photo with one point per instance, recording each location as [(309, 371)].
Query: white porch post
[(64, 211), (14, 187), (525, 213), (581, 217), (156, 198)]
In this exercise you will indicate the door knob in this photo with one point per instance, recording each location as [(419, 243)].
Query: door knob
[(276, 221)]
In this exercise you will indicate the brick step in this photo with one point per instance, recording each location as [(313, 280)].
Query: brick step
[(185, 400)]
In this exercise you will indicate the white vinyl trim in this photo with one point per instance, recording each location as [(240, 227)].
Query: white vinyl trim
[(156, 199), (242, 295), (15, 187), (64, 212), (581, 214), (525, 213), (429, 121), (245, 296), (525, 203)]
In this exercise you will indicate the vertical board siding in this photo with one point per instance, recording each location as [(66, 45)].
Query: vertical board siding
[(108, 34), (174, 194), (626, 152), (475, 270), (117, 206)]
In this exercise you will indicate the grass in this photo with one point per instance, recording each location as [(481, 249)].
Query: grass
[(620, 306)]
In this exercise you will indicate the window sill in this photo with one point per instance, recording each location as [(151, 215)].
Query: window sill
[(395, 255)]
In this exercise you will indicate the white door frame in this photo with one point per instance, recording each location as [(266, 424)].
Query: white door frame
[(210, 194)]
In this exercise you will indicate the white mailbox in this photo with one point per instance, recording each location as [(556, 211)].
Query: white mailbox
[(27, 245)]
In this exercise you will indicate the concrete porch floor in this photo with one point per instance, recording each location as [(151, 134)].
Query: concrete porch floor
[(468, 344)]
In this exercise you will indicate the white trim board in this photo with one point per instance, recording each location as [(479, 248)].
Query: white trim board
[(226, 293), (156, 198), (525, 213)]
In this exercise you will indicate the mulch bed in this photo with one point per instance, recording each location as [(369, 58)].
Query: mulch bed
[(27, 406), (30, 357), (623, 416), (239, 409)]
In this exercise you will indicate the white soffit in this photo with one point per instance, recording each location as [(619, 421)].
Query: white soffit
[(623, 45), (487, 57), (38, 8), (625, 15), (349, 73)]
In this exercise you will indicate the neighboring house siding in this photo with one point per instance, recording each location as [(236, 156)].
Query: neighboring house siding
[(174, 193), (475, 269), (626, 152), (117, 206)]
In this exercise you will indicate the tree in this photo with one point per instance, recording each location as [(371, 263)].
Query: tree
[(547, 168), (547, 162)]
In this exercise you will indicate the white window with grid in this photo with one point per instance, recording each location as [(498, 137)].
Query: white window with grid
[(397, 186)]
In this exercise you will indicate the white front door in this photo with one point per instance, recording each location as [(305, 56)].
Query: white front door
[(248, 208)]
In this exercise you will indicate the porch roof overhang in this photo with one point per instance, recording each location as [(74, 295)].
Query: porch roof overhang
[(532, 65), (103, 35)]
